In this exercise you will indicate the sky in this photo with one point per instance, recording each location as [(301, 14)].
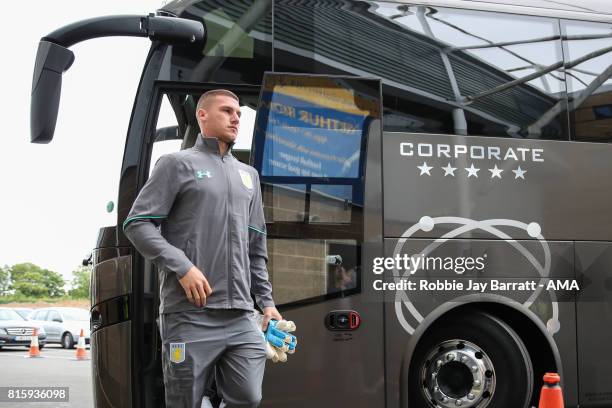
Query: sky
[(53, 197)]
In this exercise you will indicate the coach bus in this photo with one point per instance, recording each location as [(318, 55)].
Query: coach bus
[(436, 178)]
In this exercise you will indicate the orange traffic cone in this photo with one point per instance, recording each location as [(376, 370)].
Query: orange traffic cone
[(551, 395), (34, 350), (81, 354)]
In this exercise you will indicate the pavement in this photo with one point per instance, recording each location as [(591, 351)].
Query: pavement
[(57, 368)]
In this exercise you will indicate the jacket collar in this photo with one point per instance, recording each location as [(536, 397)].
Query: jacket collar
[(210, 144)]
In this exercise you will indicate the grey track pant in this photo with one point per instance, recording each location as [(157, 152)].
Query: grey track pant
[(194, 343)]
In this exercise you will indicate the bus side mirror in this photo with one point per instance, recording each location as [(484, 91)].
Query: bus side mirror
[(88, 260), (52, 59), (51, 62)]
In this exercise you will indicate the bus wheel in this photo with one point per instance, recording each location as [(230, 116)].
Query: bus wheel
[(472, 360)]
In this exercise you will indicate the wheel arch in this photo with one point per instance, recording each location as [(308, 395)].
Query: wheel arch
[(521, 319)]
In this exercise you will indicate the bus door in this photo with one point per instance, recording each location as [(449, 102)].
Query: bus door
[(125, 364), (316, 146), (170, 126)]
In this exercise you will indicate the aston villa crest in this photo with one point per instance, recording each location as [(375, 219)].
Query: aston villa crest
[(246, 179), (177, 352)]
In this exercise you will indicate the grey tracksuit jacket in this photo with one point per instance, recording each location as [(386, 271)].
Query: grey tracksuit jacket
[(210, 212)]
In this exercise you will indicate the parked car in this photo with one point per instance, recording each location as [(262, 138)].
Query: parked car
[(17, 331), (23, 311), (63, 324)]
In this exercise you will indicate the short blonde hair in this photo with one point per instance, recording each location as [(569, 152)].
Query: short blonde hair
[(207, 96)]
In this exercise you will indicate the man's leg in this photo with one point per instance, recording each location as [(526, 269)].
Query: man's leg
[(240, 369), (191, 343)]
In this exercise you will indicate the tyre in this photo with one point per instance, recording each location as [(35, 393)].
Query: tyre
[(67, 341), (472, 360)]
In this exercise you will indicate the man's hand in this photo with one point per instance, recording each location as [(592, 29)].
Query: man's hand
[(270, 313), (196, 286)]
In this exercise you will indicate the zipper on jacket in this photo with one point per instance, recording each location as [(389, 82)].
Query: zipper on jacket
[(230, 275)]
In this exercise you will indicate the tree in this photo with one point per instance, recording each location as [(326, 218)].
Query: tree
[(5, 280), (81, 277), (32, 280)]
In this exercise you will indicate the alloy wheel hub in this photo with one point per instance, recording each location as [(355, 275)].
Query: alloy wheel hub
[(458, 373)]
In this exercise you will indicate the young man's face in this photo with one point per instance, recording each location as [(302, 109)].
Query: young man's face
[(221, 119)]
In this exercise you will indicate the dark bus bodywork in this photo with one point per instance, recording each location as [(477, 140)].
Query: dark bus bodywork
[(487, 137)]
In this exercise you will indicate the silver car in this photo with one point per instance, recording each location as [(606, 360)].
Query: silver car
[(63, 324), (17, 331)]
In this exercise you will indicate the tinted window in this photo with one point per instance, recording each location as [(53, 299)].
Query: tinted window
[(443, 70), (238, 48), (309, 147), (310, 139), (588, 61), (302, 269)]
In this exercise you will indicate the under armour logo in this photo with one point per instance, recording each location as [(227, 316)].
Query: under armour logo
[(200, 174)]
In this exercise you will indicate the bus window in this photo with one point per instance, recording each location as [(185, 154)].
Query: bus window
[(310, 148), (329, 203), (309, 269), (238, 47), (588, 63), (176, 126), (443, 70), (167, 137)]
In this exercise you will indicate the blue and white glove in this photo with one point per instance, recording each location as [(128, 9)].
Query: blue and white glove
[(279, 341)]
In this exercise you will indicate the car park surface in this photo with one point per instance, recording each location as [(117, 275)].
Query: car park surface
[(57, 367)]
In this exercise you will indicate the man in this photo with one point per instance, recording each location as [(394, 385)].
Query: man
[(211, 253)]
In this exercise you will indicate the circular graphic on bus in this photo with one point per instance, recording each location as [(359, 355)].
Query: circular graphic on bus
[(457, 227)]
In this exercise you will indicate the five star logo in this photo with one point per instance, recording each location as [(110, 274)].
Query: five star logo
[(472, 171)]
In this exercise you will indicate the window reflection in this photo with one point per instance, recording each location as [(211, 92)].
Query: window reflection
[(443, 70), (328, 203), (331, 203), (284, 202), (589, 69), (308, 268), (309, 147), (238, 46)]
